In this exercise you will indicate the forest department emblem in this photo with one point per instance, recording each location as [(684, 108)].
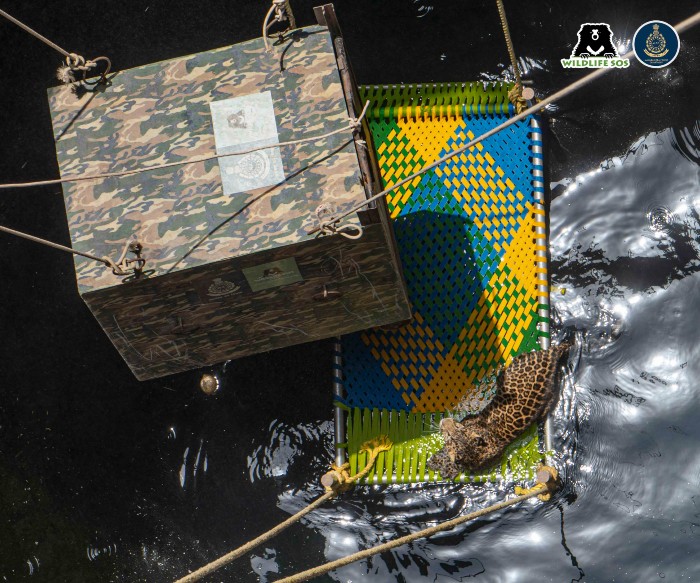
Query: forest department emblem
[(656, 44)]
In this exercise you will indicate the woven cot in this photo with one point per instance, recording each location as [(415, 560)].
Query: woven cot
[(472, 240)]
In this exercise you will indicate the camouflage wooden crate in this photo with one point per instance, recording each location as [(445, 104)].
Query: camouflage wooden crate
[(231, 267)]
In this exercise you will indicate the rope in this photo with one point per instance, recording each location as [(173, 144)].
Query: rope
[(347, 231), (282, 11), (76, 63), (73, 63), (515, 95), (344, 482), (569, 89), (35, 34), (226, 559), (290, 14), (352, 232), (540, 489), (106, 260), (354, 124), (116, 267)]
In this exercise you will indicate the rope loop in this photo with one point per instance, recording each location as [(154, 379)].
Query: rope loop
[(282, 11), (353, 232), (74, 63), (125, 266), (107, 64), (331, 227)]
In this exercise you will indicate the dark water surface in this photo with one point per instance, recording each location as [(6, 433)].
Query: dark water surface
[(103, 478)]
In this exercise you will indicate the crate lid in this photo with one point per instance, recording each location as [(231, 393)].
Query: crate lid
[(219, 102)]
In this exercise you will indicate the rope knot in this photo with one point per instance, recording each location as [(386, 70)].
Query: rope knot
[(331, 227), (339, 480), (125, 266), (74, 63), (547, 483), (66, 73), (515, 96), (355, 124), (279, 11)]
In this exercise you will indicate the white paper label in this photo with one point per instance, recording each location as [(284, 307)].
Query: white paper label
[(240, 124)]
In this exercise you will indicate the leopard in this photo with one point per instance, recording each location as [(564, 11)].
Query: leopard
[(525, 393)]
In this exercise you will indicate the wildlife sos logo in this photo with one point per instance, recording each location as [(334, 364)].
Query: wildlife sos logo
[(595, 49), (656, 44)]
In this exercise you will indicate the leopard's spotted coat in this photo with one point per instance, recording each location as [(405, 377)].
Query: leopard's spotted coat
[(525, 391)]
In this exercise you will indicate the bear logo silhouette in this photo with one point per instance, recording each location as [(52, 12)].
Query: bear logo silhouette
[(272, 272), (595, 40)]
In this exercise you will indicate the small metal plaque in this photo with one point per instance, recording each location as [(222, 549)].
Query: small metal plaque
[(273, 274), (240, 124)]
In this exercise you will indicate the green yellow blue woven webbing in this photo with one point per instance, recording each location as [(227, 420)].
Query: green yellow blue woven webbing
[(466, 233)]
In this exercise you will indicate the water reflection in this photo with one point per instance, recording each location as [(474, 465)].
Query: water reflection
[(624, 243), (625, 252)]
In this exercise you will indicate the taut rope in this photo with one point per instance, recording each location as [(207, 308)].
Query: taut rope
[(353, 123), (331, 226), (515, 95), (335, 482), (547, 483), (509, 42), (74, 63), (115, 266)]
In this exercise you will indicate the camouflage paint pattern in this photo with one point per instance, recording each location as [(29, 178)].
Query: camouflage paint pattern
[(160, 113), (196, 239), (177, 322)]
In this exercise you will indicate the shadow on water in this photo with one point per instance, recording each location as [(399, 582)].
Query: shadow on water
[(567, 550)]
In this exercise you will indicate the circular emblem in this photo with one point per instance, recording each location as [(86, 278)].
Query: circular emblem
[(656, 44), (253, 166), (221, 287)]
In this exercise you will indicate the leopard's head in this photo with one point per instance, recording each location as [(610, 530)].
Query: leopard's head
[(467, 444)]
